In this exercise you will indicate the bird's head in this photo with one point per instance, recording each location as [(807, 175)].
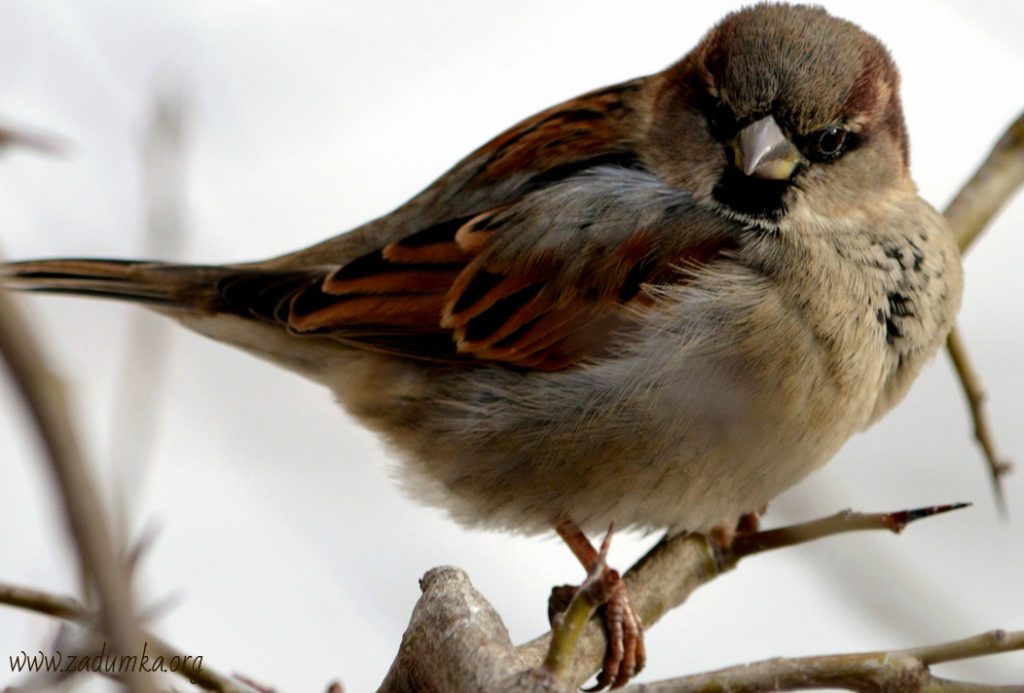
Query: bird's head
[(781, 110)]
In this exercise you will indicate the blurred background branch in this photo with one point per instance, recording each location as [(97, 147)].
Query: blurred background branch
[(86, 518), (17, 137), (106, 566), (139, 385)]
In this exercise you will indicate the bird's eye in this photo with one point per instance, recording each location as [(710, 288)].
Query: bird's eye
[(830, 143), (722, 123)]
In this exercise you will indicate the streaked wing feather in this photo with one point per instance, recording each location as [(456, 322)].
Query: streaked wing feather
[(542, 283)]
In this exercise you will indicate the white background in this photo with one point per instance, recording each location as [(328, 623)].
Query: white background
[(285, 549)]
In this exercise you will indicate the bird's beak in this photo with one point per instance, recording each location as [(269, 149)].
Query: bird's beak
[(762, 150)]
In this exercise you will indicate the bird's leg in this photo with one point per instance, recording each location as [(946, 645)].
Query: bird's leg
[(578, 543), (748, 523), (626, 654)]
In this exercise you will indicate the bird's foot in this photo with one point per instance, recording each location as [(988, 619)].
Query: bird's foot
[(626, 654), (603, 589)]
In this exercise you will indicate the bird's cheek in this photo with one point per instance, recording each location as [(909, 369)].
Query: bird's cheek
[(830, 191), (862, 177)]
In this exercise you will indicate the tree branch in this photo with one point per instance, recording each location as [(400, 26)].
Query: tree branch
[(975, 395), (842, 522), (12, 137), (899, 671), (456, 642), (990, 188)]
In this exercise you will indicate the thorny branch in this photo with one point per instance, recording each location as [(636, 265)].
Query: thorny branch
[(975, 395)]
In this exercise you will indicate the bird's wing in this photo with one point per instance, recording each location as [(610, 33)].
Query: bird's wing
[(541, 283)]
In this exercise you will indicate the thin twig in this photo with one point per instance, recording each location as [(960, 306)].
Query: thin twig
[(998, 178), (842, 522), (567, 627), (899, 671), (976, 403), (67, 608), (992, 642), (43, 395), (19, 137), (660, 581), (70, 609)]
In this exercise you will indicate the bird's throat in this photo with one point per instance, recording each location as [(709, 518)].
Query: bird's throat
[(751, 196)]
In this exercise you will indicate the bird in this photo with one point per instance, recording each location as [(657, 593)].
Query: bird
[(656, 305)]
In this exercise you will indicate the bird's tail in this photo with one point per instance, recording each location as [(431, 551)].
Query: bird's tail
[(160, 285)]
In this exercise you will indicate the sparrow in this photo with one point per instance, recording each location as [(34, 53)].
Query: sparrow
[(659, 304)]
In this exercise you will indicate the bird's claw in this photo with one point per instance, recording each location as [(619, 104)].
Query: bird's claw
[(626, 655)]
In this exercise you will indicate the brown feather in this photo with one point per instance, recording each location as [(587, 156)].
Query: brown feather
[(409, 311), (577, 130)]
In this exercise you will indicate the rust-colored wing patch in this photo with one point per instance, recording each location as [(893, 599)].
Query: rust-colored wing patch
[(450, 295)]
